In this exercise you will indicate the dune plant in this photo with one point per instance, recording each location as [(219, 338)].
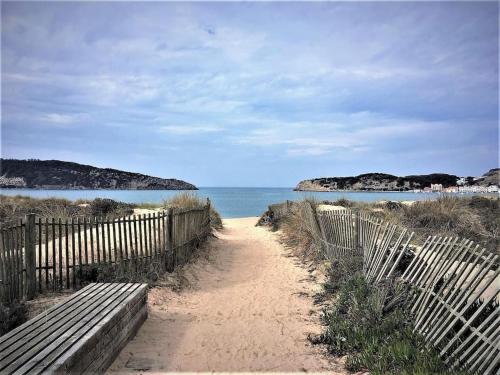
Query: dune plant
[(190, 200)]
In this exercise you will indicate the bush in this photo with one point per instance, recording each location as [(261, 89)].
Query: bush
[(12, 315), (340, 271), (375, 332), (110, 207), (190, 200), (14, 208)]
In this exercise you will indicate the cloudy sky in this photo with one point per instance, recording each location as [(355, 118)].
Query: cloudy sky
[(253, 94)]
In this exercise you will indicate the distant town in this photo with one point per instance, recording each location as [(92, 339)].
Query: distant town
[(461, 187)]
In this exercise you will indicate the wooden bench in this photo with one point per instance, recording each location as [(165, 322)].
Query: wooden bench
[(84, 333)]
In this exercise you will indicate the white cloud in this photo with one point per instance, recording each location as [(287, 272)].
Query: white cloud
[(189, 129), (59, 119)]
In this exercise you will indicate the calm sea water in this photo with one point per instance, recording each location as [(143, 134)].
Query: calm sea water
[(230, 202)]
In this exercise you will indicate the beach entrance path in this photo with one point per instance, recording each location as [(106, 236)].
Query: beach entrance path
[(248, 309)]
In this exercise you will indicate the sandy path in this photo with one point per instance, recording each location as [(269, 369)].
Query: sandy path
[(248, 310)]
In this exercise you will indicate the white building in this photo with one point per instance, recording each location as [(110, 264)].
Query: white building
[(436, 187)]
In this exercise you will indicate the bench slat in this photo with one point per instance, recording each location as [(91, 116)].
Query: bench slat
[(107, 336), (45, 320), (37, 339), (13, 335), (82, 334)]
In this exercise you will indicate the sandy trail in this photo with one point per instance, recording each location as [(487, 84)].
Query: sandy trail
[(249, 309)]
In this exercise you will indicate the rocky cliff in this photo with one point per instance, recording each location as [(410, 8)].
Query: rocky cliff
[(55, 174), (492, 177)]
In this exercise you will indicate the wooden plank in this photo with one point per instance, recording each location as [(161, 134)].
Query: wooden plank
[(150, 236), (73, 252), (115, 247), (43, 341), (79, 231), (136, 248), (60, 252), (120, 242), (45, 320), (91, 232), (40, 263), (97, 237), (42, 356), (108, 226), (103, 236), (30, 256), (140, 237), (66, 251), (3, 297), (85, 241), (125, 239), (46, 253), (106, 337)]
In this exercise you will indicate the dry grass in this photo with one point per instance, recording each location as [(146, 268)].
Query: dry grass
[(14, 208), (190, 200), (299, 230), (476, 218)]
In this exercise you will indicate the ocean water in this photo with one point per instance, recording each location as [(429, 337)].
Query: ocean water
[(230, 202)]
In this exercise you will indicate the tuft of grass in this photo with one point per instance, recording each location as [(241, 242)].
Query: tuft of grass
[(300, 230), (190, 200), (12, 315)]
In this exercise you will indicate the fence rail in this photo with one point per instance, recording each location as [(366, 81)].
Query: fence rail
[(39, 255), (454, 283)]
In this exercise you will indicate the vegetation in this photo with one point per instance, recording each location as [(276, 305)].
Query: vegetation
[(42, 174), (299, 232), (379, 182), (13, 208), (12, 315), (189, 200), (476, 218), (371, 326)]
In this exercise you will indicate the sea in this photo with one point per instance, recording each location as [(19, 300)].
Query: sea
[(231, 202)]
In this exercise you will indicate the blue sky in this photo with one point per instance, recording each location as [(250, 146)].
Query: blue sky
[(253, 94)]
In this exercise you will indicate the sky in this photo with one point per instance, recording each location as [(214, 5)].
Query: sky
[(253, 94)]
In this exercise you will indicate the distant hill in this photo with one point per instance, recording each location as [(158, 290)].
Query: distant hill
[(377, 182), (492, 177), (56, 174)]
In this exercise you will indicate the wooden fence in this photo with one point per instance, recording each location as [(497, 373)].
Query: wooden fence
[(38, 255), (454, 283)]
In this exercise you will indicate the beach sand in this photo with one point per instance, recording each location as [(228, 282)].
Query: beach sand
[(247, 307)]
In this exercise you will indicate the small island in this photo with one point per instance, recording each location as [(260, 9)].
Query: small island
[(56, 174), (440, 182)]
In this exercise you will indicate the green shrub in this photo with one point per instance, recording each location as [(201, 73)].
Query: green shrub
[(375, 332), (340, 271)]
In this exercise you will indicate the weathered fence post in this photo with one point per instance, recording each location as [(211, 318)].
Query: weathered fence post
[(30, 256), (208, 213), (170, 242), (356, 232)]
